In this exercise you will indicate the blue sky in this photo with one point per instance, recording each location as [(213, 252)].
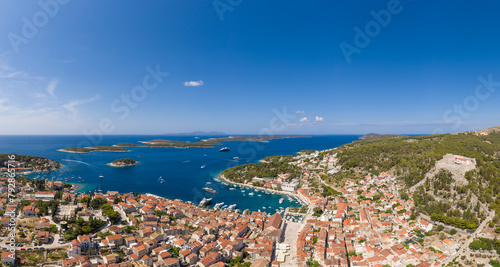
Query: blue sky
[(248, 67)]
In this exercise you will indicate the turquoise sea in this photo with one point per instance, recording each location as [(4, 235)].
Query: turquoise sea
[(185, 171)]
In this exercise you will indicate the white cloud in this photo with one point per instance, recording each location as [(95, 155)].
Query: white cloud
[(194, 83), (299, 111), (71, 106), (319, 118), (303, 120), (51, 87)]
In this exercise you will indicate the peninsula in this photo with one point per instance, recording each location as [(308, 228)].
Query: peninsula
[(123, 162), (27, 164), (205, 143)]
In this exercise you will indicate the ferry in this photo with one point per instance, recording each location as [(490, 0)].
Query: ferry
[(209, 190), (224, 149)]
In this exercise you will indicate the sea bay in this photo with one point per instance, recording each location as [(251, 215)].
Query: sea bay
[(185, 171)]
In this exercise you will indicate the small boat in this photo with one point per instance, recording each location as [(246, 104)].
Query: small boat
[(161, 180), (259, 195), (224, 149), (232, 188), (101, 176), (264, 207), (231, 207), (236, 158), (251, 194), (209, 182), (281, 200), (218, 205), (209, 190), (203, 166), (242, 191), (267, 193)]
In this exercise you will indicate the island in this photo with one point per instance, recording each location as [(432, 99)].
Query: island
[(123, 162), (375, 136), (205, 143), (93, 149)]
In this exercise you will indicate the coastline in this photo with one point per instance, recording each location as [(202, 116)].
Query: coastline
[(96, 150), (67, 151), (302, 200)]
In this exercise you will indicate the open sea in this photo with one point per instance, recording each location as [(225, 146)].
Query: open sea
[(185, 171)]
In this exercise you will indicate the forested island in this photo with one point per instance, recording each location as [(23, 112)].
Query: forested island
[(206, 143), (123, 162), (374, 136), (93, 149)]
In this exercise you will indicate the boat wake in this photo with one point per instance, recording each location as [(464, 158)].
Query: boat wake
[(77, 161)]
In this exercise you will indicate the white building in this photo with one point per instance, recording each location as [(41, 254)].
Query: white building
[(291, 187)]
